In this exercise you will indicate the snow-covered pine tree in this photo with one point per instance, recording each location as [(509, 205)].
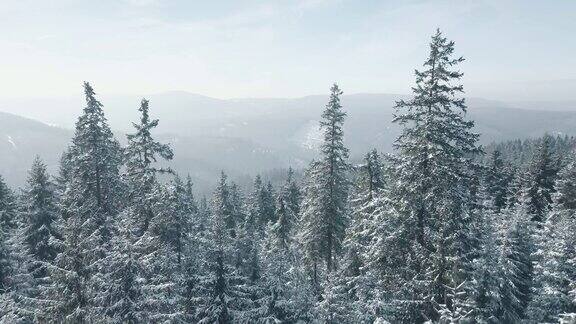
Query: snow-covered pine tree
[(173, 215), (6, 267), (160, 219), (371, 176), (40, 239), (539, 179), (190, 202), (261, 203), (8, 224), (222, 204), (515, 263), (121, 296), (497, 179), (17, 292), (141, 154), (203, 215), (223, 296), (94, 188), (237, 204), (193, 239), (41, 218), (69, 297), (515, 188), (247, 250), (367, 194), (159, 258), (332, 308), (392, 266), (248, 238), (162, 290), (434, 174), (291, 194), (351, 285), (553, 273), (284, 226), (555, 256), (324, 211), (275, 264), (250, 233), (90, 202), (8, 210), (269, 203), (287, 209), (16, 305), (64, 172), (288, 295), (487, 279)]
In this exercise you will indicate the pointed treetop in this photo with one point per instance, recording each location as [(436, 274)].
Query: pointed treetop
[(88, 90), (144, 109), (290, 175), (91, 101)]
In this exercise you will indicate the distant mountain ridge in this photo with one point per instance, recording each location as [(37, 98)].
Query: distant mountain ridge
[(245, 136), (21, 139)]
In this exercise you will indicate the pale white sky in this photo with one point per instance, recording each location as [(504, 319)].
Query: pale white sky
[(515, 49)]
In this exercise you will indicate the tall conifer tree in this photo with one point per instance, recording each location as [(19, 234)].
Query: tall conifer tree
[(324, 211), (90, 202), (41, 218), (436, 150)]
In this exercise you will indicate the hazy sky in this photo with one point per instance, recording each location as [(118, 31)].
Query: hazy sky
[(514, 50)]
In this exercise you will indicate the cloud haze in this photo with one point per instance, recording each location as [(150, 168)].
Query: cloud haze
[(515, 50)]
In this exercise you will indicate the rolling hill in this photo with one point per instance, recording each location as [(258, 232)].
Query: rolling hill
[(245, 136)]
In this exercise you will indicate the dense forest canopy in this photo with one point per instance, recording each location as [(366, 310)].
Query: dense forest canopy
[(441, 231)]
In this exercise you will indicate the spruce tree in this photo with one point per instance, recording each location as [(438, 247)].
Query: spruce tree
[(352, 285), (203, 215), (41, 218), (8, 224), (324, 211), (17, 292), (262, 203), (367, 196), (158, 220), (498, 180), (173, 215), (288, 293), (90, 203), (222, 291), (121, 295), (276, 263), (248, 249), (237, 205), (291, 194), (71, 291), (487, 275), (141, 154), (8, 210), (222, 204), (94, 162), (555, 256), (184, 230), (515, 262), (539, 179), (284, 226), (16, 305), (434, 167)]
